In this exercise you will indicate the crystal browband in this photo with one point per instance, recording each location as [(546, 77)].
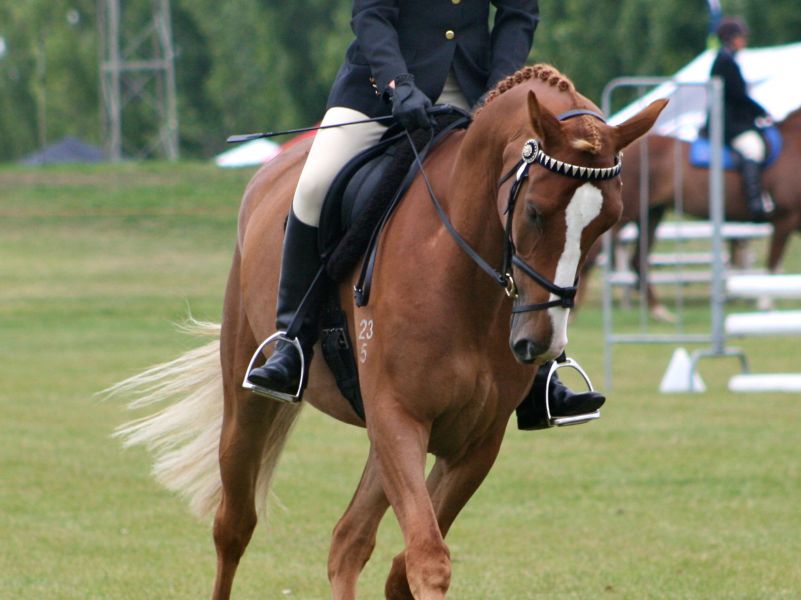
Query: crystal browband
[(533, 153)]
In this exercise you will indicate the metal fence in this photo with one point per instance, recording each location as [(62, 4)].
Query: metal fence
[(715, 340)]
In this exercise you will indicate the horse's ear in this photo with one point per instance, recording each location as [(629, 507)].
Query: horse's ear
[(542, 120), (638, 125)]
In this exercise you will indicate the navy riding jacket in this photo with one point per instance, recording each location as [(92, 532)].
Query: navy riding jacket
[(429, 38), (740, 110)]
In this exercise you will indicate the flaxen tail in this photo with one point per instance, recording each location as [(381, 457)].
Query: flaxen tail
[(184, 435)]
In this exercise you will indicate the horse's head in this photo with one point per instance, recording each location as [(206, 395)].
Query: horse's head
[(562, 190)]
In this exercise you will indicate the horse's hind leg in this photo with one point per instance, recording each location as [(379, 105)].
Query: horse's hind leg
[(242, 444), (253, 434), (451, 484), (354, 535), (400, 443)]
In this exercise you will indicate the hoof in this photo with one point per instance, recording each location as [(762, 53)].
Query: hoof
[(662, 314)]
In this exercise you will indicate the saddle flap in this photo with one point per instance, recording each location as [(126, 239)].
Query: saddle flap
[(332, 224)]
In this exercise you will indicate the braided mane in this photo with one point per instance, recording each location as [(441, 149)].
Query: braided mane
[(542, 71), (591, 142)]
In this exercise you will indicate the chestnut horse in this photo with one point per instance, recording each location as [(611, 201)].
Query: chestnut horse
[(782, 179), (436, 370)]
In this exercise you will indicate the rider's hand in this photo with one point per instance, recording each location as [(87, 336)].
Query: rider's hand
[(410, 105), (763, 122)]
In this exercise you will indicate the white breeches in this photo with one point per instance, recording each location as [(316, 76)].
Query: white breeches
[(333, 148), (751, 145)]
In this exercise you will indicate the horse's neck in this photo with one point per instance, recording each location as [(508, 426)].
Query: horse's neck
[(471, 189), (469, 200)]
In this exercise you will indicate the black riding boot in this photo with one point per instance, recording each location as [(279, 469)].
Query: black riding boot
[(299, 264), (759, 203), (531, 414)]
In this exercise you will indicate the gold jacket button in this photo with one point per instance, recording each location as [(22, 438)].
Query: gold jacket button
[(449, 35)]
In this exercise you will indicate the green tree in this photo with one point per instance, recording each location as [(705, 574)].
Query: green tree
[(249, 65), (593, 42), (48, 75)]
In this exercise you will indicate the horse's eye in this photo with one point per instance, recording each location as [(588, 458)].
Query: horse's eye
[(533, 215)]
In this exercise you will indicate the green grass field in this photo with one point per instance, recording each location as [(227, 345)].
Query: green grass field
[(667, 496)]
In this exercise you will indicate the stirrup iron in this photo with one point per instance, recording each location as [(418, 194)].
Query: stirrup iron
[(556, 420), (278, 336)]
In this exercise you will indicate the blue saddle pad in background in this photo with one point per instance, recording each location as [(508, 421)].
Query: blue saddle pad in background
[(701, 151)]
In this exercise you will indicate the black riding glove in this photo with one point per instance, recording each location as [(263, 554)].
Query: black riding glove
[(410, 105)]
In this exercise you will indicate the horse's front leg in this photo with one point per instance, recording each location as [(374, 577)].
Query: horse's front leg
[(400, 441), (451, 484), (354, 535)]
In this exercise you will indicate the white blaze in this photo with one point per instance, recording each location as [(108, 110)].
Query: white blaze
[(584, 206)]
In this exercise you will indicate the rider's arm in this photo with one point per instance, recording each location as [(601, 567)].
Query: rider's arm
[(734, 85), (375, 24), (512, 35)]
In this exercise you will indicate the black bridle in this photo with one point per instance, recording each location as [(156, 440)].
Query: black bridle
[(531, 154)]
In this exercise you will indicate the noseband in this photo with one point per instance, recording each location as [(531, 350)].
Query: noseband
[(531, 154)]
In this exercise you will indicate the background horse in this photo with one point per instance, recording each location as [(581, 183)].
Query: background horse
[(437, 374), (782, 179)]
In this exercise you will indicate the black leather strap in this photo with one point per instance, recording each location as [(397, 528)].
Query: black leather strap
[(293, 329), (467, 248), (364, 284), (577, 112), (566, 295)]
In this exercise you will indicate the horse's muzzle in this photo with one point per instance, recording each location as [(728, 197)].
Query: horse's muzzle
[(528, 351)]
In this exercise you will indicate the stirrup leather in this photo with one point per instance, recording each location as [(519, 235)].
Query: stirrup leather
[(556, 420), (278, 336)]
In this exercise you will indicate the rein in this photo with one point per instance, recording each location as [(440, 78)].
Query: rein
[(532, 153)]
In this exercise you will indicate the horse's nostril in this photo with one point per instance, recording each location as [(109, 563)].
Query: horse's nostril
[(526, 351)]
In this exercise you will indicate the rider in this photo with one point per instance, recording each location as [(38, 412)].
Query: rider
[(742, 117), (405, 56)]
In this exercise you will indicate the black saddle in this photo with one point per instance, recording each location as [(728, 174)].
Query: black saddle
[(369, 187), (360, 200)]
